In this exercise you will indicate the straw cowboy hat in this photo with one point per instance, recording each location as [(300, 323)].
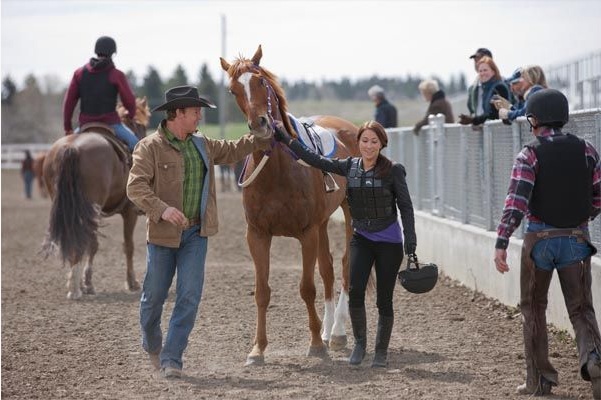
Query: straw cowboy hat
[(182, 97)]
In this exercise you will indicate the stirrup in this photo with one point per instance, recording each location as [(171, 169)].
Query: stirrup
[(330, 183)]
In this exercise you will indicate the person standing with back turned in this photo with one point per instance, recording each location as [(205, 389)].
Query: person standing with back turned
[(556, 183)]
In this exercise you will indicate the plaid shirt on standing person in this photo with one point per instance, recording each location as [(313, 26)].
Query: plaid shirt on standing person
[(523, 176), (193, 174)]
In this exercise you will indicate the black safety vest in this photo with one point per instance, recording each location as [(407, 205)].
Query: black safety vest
[(371, 199), (98, 95), (562, 194)]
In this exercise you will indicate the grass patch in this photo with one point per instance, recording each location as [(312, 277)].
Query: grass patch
[(232, 130)]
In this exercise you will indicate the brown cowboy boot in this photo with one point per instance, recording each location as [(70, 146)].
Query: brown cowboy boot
[(575, 282), (540, 374)]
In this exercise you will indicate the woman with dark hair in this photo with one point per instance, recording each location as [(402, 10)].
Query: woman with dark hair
[(376, 187), (490, 83)]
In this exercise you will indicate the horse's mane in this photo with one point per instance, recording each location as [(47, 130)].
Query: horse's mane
[(242, 65)]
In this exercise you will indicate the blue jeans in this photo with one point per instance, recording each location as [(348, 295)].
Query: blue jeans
[(162, 263), (125, 134), (28, 181), (556, 253)]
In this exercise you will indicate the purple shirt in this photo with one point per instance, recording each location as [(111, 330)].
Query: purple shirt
[(392, 234)]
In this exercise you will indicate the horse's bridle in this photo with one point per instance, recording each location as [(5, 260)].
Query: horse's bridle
[(267, 153)]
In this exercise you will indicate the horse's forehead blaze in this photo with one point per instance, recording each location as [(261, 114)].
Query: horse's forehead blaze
[(244, 80)]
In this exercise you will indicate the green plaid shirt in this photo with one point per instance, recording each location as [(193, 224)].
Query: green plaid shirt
[(193, 174)]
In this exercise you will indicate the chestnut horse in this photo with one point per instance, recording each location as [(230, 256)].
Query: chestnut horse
[(288, 199), (86, 176)]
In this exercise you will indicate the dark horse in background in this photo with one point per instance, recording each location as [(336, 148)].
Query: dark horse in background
[(86, 176), (288, 199)]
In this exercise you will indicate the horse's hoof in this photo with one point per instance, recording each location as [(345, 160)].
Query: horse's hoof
[(74, 295), (338, 342), (132, 287), (320, 351), (88, 290), (255, 361)]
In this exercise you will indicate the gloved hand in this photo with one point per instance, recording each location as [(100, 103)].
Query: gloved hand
[(500, 102), (280, 133), (410, 248), (465, 119)]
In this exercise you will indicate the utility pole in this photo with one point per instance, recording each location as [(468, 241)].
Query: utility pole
[(222, 106)]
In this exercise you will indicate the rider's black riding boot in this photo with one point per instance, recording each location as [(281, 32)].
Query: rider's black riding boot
[(382, 339), (359, 323)]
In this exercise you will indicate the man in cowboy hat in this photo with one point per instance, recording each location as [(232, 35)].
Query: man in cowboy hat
[(173, 181)]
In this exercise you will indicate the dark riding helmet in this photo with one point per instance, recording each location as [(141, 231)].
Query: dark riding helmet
[(105, 46), (549, 107), (418, 278)]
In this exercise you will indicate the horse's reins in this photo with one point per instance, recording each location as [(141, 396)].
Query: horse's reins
[(266, 153)]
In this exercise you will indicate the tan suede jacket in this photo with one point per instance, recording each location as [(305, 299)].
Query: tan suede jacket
[(157, 175)]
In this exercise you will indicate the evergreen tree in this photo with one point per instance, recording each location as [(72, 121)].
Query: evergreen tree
[(179, 78), (208, 89), (153, 90), (132, 79), (8, 90)]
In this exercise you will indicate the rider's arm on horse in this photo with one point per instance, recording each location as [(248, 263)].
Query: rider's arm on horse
[(125, 93)]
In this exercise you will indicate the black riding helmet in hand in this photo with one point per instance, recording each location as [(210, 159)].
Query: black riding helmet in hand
[(549, 107), (105, 46)]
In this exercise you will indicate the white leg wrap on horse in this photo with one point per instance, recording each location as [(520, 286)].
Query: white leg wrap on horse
[(341, 315), (74, 282), (328, 320)]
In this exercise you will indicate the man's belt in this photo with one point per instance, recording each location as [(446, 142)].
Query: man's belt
[(192, 222)]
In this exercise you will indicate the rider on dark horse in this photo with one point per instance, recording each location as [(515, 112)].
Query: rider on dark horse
[(97, 84)]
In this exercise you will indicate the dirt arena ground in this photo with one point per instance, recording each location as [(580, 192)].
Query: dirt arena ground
[(450, 343)]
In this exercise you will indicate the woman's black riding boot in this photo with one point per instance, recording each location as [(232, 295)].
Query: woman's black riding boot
[(358, 321), (382, 339)]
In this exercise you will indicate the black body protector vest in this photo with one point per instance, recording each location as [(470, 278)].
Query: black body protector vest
[(562, 194), (371, 200), (98, 95)]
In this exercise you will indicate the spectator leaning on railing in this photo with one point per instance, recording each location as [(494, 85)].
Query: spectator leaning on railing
[(438, 104), (524, 82), (490, 83)]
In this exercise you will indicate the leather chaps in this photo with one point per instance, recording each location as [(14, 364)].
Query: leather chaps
[(575, 280)]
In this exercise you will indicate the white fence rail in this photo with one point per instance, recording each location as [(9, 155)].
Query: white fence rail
[(13, 154)]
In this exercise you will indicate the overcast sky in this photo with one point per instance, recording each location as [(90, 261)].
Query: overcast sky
[(310, 40)]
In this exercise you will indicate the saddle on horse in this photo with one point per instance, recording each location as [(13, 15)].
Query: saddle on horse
[(320, 140), (108, 133)]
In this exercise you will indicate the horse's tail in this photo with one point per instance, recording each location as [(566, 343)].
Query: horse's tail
[(74, 220)]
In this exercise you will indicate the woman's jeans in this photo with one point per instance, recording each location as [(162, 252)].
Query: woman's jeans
[(387, 258), (556, 253), (162, 263)]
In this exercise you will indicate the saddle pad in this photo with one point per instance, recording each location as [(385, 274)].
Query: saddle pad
[(317, 138)]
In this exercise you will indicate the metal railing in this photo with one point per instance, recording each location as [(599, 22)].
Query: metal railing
[(459, 173), (579, 80)]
